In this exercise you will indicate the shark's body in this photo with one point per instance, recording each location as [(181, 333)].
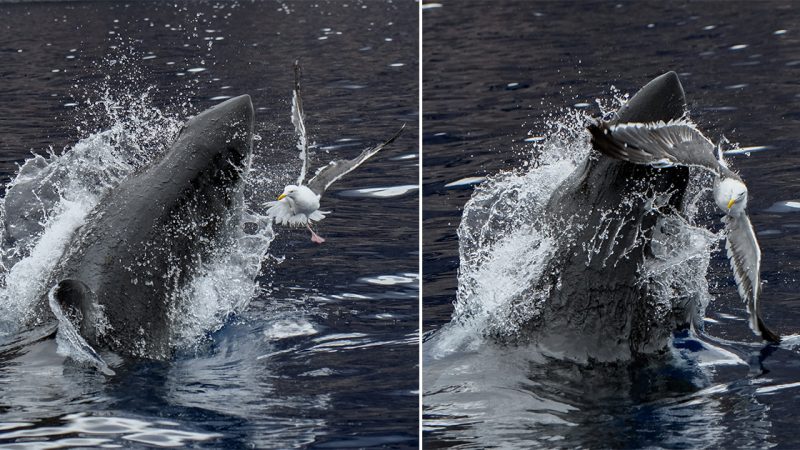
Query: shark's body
[(122, 272), (599, 307)]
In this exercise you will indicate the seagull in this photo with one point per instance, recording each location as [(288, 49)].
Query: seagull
[(679, 143), (299, 203)]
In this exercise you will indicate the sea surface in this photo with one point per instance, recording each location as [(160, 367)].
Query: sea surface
[(294, 344), (506, 87)]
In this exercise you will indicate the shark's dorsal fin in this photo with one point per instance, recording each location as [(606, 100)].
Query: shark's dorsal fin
[(660, 99)]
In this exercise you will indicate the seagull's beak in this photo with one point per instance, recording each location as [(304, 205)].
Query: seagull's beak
[(282, 196), (731, 202)]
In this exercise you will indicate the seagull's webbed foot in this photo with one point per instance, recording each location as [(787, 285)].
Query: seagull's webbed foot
[(315, 238)]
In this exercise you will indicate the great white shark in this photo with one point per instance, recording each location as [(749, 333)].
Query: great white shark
[(597, 305), (121, 274), (601, 308)]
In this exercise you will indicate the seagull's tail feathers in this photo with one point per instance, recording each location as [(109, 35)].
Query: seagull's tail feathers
[(318, 215), (281, 213)]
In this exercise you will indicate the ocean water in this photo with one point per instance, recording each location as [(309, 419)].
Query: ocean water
[(289, 344), (506, 89)]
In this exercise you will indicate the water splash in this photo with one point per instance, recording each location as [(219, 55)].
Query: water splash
[(51, 197), (223, 286)]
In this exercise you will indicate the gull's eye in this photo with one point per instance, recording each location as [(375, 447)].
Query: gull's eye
[(741, 194)]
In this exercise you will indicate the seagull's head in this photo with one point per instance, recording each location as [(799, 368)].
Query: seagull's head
[(302, 199), (731, 196), (289, 191)]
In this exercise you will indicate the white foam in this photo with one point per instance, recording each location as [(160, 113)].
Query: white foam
[(285, 329)]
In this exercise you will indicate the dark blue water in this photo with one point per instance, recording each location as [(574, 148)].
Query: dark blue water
[(496, 78), (325, 355)]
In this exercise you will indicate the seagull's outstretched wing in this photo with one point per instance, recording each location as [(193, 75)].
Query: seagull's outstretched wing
[(337, 169), (745, 257), (659, 144), (299, 122)]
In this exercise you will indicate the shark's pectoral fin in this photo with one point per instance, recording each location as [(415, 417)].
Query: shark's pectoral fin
[(75, 308), (77, 303)]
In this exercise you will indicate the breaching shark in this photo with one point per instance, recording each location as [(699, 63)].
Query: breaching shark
[(122, 271), (612, 214)]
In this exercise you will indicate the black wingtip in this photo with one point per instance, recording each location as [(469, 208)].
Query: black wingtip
[(767, 334), (396, 135), (297, 75), (603, 142)]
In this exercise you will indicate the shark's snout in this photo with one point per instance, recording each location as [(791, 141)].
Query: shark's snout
[(226, 127), (240, 107)]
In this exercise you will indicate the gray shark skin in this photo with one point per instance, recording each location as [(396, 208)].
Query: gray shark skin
[(119, 278), (597, 306)]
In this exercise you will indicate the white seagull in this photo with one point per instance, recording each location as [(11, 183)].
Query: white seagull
[(680, 143), (298, 205)]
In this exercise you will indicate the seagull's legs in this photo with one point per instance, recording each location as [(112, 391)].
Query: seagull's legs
[(314, 236)]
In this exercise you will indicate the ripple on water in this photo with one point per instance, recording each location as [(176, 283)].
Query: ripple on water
[(465, 182), (391, 280), (347, 143), (92, 428), (381, 192), (405, 157), (339, 341), (323, 372), (769, 390), (785, 206)]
